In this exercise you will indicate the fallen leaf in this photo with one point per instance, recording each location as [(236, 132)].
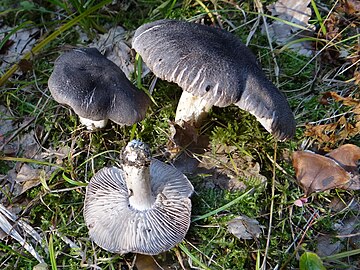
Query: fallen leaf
[(315, 173), (348, 101), (350, 7), (244, 227), (41, 266), (20, 231), (348, 157), (146, 262), (344, 236), (296, 12), (20, 43), (328, 245), (114, 47)]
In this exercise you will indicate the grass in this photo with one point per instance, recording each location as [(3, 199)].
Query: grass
[(54, 208)]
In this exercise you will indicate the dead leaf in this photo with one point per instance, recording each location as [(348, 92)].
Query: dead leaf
[(228, 168), (146, 262), (19, 43), (315, 173), (20, 231), (186, 146), (41, 266), (296, 12), (244, 227), (114, 47), (345, 237), (350, 7), (342, 128), (348, 101), (348, 157), (24, 177)]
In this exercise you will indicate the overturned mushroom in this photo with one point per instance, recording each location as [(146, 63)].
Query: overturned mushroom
[(96, 89), (213, 67), (144, 207)]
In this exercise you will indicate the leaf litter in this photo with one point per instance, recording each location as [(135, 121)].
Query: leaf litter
[(297, 13), (19, 230), (18, 44), (338, 169), (20, 178), (244, 227), (339, 128), (223, 167), (114, 46), (225, 159)]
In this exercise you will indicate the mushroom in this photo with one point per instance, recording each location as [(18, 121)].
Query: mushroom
[(143, 207), (213, 67), (96, 89)]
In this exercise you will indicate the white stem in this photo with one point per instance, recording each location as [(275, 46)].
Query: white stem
[(191, 109), (91, 124), (138, 184)]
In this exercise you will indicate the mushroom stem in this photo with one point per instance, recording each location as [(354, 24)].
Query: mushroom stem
[(191, 109), (92, 124), (138, 185)]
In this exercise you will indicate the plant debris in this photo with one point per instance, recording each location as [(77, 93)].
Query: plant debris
[(113, 45), (340, 128), (17, 44), (11, 225), (297, 13), (338, 169), (244, 227)]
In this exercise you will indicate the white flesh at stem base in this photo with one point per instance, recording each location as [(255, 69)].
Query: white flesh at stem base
[(138, 184), (91, 124), (191, 109)]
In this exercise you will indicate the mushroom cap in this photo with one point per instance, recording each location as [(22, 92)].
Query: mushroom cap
[(117, 227), (215, 65), (96, 88)]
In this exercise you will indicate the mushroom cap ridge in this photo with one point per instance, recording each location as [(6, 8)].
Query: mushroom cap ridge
[(115, 226), (96, 88), (215, 65)]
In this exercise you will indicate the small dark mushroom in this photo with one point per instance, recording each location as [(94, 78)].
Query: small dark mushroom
[(213, 67), (96, 89), (144, 207)]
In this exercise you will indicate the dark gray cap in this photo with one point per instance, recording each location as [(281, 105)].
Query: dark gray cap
[(118, 227), (96, 88), (213, 64)]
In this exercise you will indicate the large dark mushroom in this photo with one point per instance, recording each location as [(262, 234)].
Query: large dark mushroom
[(213, 67), (144, 207), (96, 89)]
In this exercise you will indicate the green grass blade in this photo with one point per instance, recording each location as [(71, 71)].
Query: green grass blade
[(97, 155), (194, 259), (29, 160), (222, 208), (133, 131), (318, 16), (73, 182), (341, 255), (138, 70), (52, 253), (138, 73), (14, 252)]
